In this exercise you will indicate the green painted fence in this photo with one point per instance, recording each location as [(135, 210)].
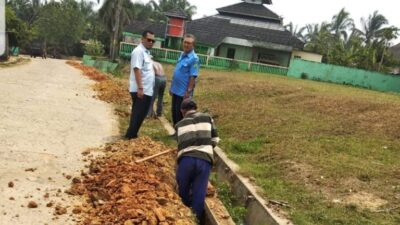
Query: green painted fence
[(171, 56), (102, 65), (343, 75)]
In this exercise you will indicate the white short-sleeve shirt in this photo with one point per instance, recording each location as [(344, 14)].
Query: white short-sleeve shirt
[(141, 59)]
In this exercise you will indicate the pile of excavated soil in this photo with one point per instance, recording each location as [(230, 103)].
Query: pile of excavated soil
[(119, 191), (88, 71), (108, 90), (113, 91)]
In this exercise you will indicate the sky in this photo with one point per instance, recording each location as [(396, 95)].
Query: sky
[(312, 11)]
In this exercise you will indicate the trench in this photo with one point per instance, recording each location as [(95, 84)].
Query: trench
[(257, 211)]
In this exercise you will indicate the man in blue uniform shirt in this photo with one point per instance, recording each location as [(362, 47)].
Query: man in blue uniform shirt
[(185, 74)]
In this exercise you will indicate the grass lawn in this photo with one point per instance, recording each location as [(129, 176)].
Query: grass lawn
[(332, 152)]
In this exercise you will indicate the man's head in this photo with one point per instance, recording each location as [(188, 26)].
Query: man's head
[(189, 41), (188, 105), (148, 39)]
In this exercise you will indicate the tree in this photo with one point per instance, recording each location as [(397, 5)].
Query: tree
[(61, 24), (319, 39), (293, 30), (114, 15), (165, 5), (341, 23), (372, 27), (26, 10), (389, 34), (19, 33)]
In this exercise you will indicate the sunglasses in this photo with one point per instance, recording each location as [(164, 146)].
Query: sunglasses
[(151, 40)]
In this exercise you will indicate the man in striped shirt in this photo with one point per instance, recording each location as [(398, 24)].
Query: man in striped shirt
[(197, 136)]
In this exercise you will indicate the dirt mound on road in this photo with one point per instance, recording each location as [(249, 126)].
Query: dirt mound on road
[(88, 71), (120, 191), (113, 91)]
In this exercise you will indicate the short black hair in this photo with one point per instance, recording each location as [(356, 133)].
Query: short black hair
[(188, 104), (144, 34)]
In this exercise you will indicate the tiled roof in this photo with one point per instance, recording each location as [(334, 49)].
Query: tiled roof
[(249, 10), (178, 13), (138, 27), (212, 31)]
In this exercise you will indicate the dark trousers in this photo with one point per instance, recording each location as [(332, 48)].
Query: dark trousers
[(192, 178), (176, 108), (140, 106), (159, 88)]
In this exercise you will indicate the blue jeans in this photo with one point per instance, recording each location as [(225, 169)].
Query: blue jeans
[(192, 178)]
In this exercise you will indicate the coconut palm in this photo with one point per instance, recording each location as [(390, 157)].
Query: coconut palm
[(389, 34), (372, 27), (293, 30), (165, 5), (341, 23), (115, 14)]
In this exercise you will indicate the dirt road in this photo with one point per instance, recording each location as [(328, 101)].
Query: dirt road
[(47, 118)]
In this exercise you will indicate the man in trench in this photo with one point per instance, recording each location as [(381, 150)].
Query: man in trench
[(197, 136)]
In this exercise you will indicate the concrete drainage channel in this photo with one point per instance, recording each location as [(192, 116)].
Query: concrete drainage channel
[(257, 212)]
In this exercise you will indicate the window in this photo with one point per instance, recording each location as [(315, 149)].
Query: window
[(231, 53)]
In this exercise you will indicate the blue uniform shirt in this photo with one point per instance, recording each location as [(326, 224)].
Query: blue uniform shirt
[(186, 67)]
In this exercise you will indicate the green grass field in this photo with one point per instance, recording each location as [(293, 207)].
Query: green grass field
[(332, 152)]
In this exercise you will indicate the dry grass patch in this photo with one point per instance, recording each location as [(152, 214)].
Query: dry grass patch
[(317, 146)]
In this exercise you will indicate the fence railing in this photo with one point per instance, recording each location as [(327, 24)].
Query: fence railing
[(171, 56)]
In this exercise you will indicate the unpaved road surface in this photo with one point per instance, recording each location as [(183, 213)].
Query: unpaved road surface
[(48, 116)]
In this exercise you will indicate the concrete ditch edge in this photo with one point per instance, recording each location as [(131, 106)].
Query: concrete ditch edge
[(257, 211)]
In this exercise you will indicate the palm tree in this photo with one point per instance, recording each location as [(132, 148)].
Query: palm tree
[(319, 39), (297, 33), (341, 23), (165, 5), (389, 34), (115, 14), (372, 27)]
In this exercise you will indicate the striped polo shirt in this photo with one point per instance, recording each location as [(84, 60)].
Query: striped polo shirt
[(197, 136)]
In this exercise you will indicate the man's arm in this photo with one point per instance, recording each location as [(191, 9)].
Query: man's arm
[(138, 78), (194, 71), (190, 88)]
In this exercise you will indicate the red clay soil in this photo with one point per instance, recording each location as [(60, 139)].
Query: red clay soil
[(108, 90), (119, 191), (88, 71), (116, 189)]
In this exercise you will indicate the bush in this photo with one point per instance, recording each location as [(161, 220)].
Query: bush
[(94, 48)]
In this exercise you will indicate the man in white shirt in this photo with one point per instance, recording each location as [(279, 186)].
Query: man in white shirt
[(141, 83)]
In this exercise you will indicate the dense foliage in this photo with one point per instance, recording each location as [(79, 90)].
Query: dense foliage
[(342, 43), (63, 24)]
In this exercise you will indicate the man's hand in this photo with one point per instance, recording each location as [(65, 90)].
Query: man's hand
[(140, 93), (187, 95)]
